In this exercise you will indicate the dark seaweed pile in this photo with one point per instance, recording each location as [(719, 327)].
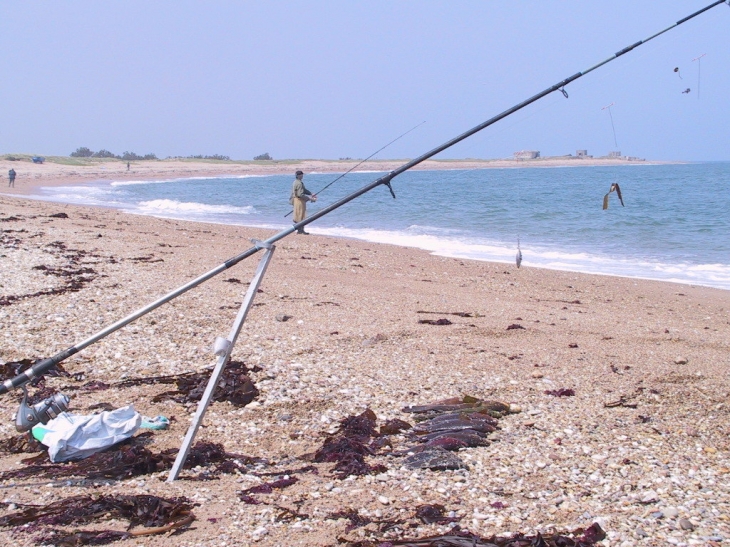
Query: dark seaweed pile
[(155, 514), (349, 446), (447, 426), (235, 385), (132, 460)]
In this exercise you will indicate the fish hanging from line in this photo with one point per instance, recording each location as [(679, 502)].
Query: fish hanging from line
[(686, 90), (676, 69), (614, 187)]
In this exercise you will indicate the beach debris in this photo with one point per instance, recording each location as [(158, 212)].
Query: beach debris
[(21, 444), (515, 326), (394, 426), (449, 425), (235, 385), (155, 515), (348, 447), (623, 401), (442, 321), (265, 488), (132, 459), (465, 404), (457, 313), (562, 392), (463, 538), (58, 215), (614, 188), (427, 514)]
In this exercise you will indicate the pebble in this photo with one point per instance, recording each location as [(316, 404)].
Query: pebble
[(671, 512), (384, 500), (686, 524), (681, 361), (649, 497)]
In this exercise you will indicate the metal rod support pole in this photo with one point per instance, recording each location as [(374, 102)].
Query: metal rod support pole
[(220, 365)]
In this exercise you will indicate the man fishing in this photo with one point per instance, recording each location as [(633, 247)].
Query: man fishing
[(299, 198)]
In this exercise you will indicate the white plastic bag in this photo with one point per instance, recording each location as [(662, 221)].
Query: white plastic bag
[(73, 437)]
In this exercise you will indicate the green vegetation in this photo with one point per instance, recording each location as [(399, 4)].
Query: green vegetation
[(263, 157), (83, 152)]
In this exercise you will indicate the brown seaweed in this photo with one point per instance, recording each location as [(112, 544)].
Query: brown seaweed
[(21, 444), (462, 538), (442, 321), (394, 426), (235, 386), (562, 392), (348, 447), (156, 515), (131, 460), (434, 514)]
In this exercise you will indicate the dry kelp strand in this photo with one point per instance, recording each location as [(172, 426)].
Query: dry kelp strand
[(562, 392), (462, 538), (131, 460), (155, 514)]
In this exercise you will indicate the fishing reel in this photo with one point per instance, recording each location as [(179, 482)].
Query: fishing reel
[(28, 416)]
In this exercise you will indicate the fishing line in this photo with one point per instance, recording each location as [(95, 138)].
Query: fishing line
[(363, 161)]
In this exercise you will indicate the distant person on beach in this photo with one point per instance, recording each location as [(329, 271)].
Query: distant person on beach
[(11, 178), (299, 198), (127, 166)]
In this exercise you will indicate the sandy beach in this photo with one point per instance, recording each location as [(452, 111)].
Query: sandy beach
[(63, 171), (617, 388)]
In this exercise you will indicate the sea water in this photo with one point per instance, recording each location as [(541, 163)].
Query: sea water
[(675, 225)]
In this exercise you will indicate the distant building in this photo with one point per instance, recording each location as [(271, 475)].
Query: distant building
[(527, 154), (582, 153), (614, 154)]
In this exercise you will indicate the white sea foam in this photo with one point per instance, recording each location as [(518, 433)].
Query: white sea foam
[(712, 275), (181, 179), (171, 206)]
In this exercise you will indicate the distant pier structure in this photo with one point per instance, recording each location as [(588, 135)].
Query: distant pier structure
[(526, 154)]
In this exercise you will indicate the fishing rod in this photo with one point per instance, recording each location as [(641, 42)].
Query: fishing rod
[(44, 365), (363, 161)]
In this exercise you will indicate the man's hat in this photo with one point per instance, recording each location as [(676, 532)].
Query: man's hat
[(299, 173)]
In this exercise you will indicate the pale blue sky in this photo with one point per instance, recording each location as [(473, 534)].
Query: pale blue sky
[(330, 79)]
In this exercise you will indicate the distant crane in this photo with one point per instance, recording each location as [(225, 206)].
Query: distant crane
[(699, 69)]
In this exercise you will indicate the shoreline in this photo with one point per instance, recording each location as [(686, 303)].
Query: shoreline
[(53, 175), (31, 176)]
